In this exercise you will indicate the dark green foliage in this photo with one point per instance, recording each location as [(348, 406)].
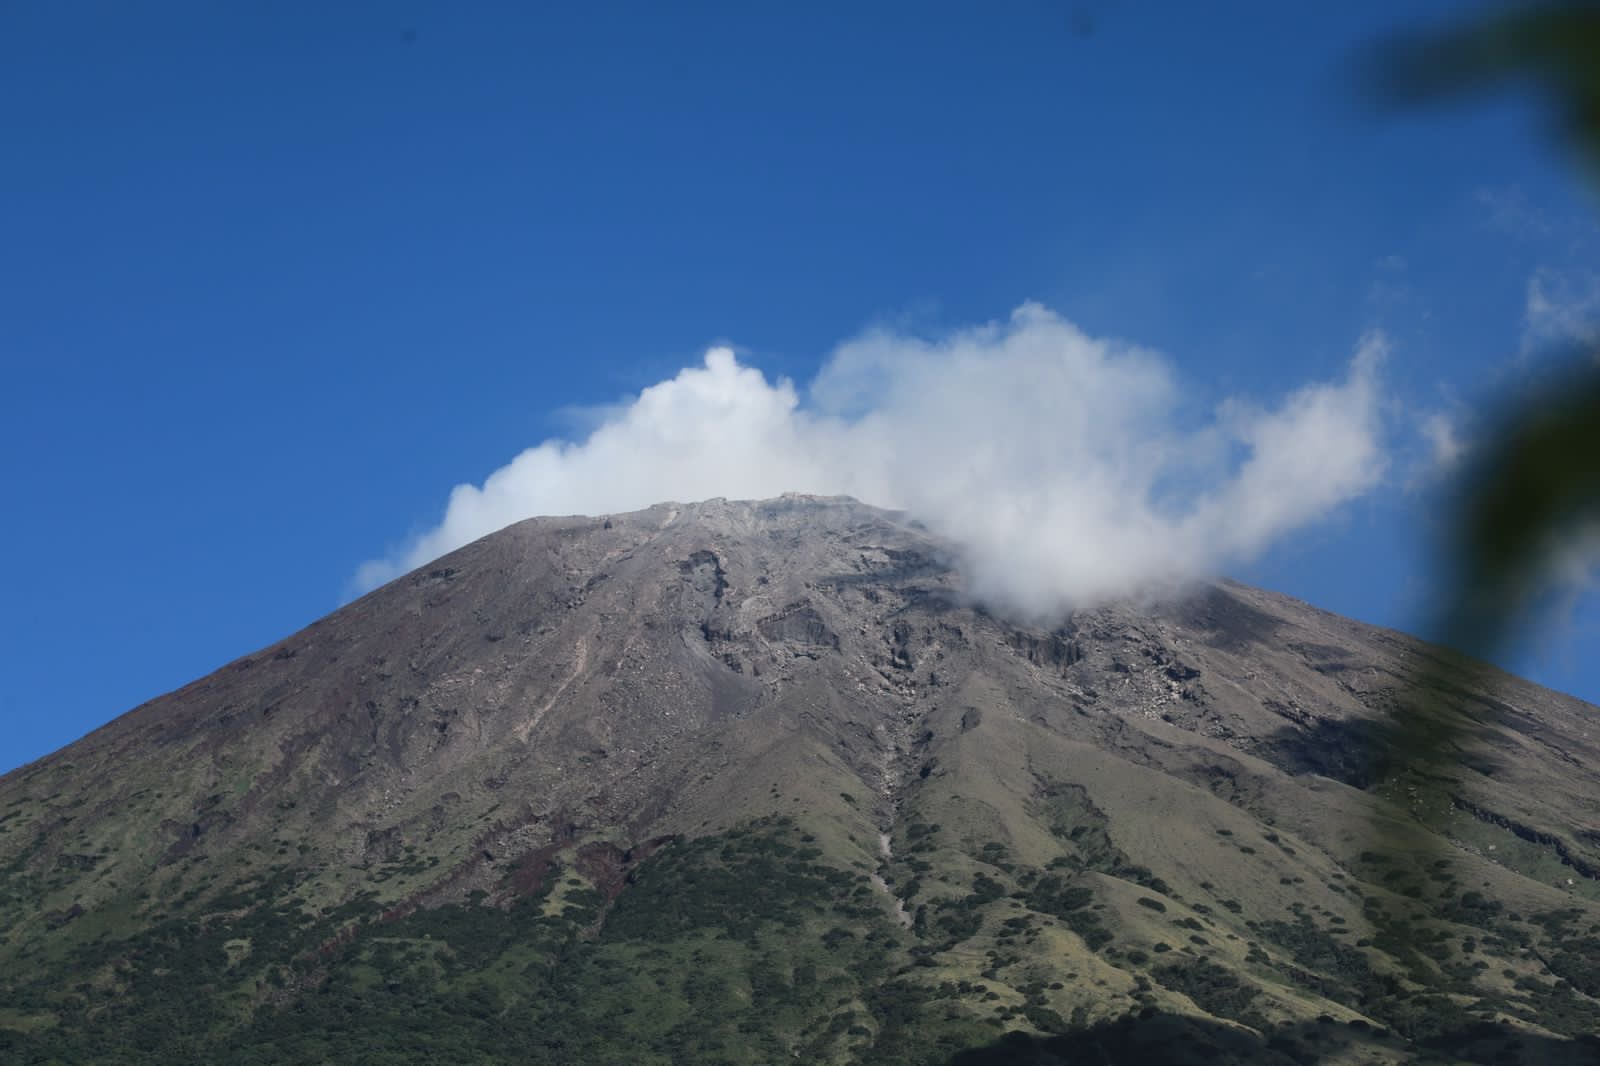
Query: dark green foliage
[(741, 948), (1056, 896), (986, 889), (1428, 1005), (1330, 967), (1153, 1038), (957, 920), (1578, 961), (736, 883), (737, 948), (1213, 989)]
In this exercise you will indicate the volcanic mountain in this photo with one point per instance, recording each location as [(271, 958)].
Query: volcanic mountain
[(750, 782)]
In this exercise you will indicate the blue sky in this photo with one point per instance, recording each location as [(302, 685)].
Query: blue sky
[(275, 277)]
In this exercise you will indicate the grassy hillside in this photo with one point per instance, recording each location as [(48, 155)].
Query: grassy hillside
[(756, 946)]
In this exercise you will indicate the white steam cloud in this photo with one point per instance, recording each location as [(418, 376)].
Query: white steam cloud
[(1066, 468)]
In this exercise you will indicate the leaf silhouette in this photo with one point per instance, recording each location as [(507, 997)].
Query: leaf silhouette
[(1533, 481), (1554, 46)]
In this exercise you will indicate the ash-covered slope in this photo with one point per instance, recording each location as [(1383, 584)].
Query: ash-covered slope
[(749, 781)]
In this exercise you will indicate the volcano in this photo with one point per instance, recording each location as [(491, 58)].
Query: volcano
[(755, 782)]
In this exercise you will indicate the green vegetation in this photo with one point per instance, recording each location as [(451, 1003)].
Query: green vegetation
[(738, 948)]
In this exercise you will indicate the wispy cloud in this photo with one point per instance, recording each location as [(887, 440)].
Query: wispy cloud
[(1562, 309), (1390, 287), (1442, 433), (1506, 208), (1068, 469)]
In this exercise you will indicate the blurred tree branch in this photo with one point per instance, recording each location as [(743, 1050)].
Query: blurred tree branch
[(1531, 483), (1553, 46), (1534, 478)]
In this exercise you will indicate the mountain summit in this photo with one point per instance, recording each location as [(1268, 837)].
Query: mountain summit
[(749, 782)]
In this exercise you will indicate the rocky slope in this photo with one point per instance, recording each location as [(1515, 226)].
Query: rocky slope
[(745, 782)]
